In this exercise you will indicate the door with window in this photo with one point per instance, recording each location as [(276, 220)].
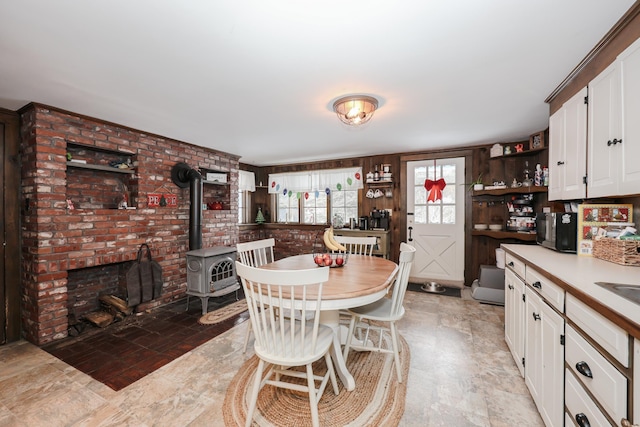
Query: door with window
[(435, 225)]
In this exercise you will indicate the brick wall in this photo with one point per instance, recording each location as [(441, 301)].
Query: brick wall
[(57, 240)]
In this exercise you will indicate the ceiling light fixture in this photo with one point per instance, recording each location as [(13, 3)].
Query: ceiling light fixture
[(355, 110)]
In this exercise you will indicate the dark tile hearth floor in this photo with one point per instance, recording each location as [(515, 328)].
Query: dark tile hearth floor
[(126, 351)]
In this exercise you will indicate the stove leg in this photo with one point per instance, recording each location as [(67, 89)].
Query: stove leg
[(205, 304)]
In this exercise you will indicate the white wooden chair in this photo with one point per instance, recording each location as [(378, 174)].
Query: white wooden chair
[(386, 310), (255, 254), (286, 342), (358, 245)]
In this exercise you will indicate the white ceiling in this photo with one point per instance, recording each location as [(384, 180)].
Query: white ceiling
[(258, 78)]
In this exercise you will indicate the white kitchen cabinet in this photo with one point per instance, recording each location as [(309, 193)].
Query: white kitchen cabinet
[(568, 149), (600, 377), (614, 128), (514, 310), (544, 358), (636, 382)]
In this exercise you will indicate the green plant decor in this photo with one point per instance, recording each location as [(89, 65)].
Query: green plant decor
[(260, 217)]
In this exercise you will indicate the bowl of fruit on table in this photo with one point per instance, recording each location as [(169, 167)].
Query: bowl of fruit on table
[(330, 259)]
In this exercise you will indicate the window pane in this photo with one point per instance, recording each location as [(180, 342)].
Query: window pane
[(420, 215), (449, 174), (449, 214), (344, 204), (315, 208), (420, 174), (241, 208), (434, 214), (449, 194), (288, 208), (420, 197)]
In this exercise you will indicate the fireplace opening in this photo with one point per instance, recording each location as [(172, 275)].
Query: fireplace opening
[(85, 286)]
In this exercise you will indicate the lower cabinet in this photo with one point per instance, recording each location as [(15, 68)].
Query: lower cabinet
[(544, 358), (514, 317)]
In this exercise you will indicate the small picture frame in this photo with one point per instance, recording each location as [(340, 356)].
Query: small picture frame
[(536, 141)]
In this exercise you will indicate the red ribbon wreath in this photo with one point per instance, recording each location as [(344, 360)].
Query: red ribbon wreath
[(434, 188)]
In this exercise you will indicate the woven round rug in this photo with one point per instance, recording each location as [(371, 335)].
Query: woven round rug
[(224, 313), (378, 399)]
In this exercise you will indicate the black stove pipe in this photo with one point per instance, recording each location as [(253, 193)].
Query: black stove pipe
[(184, 175)]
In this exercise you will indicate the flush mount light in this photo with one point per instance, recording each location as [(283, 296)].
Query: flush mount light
[(355, 110)]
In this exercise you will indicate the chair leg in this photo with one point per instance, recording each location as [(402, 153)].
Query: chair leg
[(253, 401), (347, 344), (396, 352), (332, 372), (313, 401), (246, 338)]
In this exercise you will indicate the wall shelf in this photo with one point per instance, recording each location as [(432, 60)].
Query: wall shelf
[(520, 153), (510, 190), (99, 168), (526, 237)]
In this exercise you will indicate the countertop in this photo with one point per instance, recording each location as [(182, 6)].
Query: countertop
[(579, 274)]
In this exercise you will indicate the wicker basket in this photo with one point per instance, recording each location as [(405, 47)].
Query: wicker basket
[(624, 252)]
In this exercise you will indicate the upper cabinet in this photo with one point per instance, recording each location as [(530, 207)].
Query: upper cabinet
[(614, 128), (568, 149)]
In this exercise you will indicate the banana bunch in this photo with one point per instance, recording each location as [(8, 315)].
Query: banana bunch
[(330, 242)]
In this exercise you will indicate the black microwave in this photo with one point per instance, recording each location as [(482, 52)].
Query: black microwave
[(558, 231)]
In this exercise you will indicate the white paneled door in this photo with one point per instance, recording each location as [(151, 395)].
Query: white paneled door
[(435, 225)]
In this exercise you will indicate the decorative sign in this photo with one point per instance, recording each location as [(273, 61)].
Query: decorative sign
[(155, 200), (592, 217)]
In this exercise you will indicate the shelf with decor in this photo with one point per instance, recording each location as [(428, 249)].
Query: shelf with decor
[(510, 190), (531, 152), (216, 193), (76, 164), (100, 178)]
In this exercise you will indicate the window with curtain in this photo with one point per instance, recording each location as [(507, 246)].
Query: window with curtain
[(246, 184), (314, 197)]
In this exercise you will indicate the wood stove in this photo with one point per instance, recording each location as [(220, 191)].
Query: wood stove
[(211, 272)]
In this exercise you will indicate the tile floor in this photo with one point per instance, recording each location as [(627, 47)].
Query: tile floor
[(124, 352), (461, 374)]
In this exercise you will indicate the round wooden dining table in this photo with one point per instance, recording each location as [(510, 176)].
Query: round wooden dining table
[(363, 280)]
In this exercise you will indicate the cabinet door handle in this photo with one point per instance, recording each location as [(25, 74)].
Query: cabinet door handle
[(510, 264), (609, 143), (511, 287), (410, 238), (617, 141), (536, 316), (537, 285), (560, 163), (584, 369), (582, 420)]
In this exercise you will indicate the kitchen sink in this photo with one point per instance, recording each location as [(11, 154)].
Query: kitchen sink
[(630, 292)]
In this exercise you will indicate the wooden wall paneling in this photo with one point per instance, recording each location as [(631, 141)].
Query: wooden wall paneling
[(11, 280)]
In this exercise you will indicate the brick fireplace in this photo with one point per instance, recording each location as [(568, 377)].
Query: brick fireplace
[(61, 245)]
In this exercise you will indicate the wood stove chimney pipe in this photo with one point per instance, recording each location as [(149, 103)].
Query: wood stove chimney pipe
[(184, 175)]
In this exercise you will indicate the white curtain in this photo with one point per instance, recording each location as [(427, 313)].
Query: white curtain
[(320, 180), (246, 181)]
